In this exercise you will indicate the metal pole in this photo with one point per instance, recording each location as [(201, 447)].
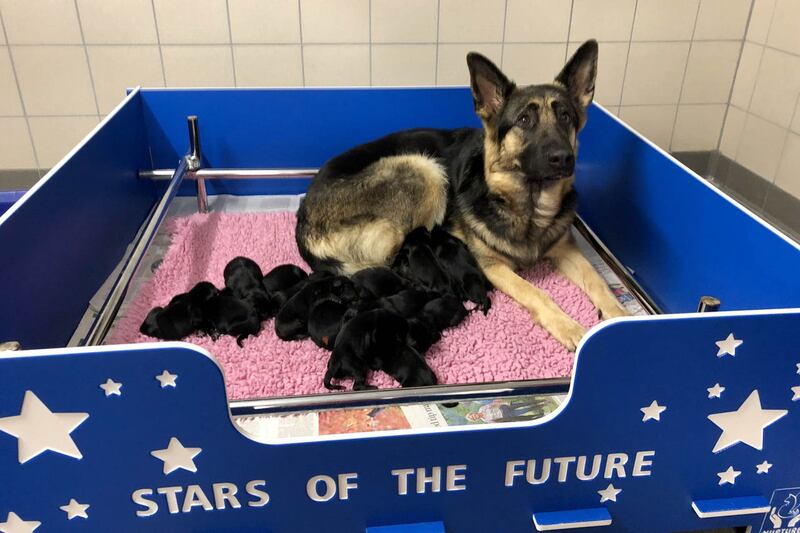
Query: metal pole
[(232, 173), (105, 316), (195, 159)]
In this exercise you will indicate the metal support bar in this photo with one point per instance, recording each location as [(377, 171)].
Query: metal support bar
[(232, 173), (440, 393), (195, 159), (619, 269), (105, 317)]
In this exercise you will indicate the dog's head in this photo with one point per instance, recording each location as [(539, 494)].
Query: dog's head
[(531, 130)]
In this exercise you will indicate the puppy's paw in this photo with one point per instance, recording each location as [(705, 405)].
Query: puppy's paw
[(565, 330)]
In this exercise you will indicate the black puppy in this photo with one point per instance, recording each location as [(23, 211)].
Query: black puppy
[(376, 340), (416, 262), (466, 278), (421, 336), (182, 316), (377, 282), (291, 322), (444, 312), (407, 303), (228, 315), (244, 278), (282, 282), (325, 320)]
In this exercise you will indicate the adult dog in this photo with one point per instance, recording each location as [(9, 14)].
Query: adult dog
[(505, 190)]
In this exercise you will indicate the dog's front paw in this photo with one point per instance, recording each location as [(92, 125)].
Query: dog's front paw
[(612, 309), (565, 330)]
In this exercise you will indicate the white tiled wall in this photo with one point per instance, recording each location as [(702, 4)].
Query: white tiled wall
[(762, 128), (666, 66)]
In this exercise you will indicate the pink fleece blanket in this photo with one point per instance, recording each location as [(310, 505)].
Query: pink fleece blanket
[(504, 345)]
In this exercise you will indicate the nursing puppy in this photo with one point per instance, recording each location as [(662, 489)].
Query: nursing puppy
[(505, 190), (466, 278), (416, 262), (378, 282), (376, 340), (282, 282), (228, 315), (291, 322), (182, 316), (244, 278), (325, 320)]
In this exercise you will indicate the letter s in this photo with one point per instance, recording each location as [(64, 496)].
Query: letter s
[(263, 497), (150, 507)]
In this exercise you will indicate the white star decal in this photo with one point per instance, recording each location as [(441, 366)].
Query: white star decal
[(38, 429), (715, 391), (75, 509), (111, 387), (609, 493), (166, 379), (796, 393), (728, 476), (653, 411), (176, 456), (746, 424), (763, 468), (798, 368), (15, 524), (728, 345)]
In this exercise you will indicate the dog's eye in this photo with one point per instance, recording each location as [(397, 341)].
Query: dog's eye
[(524, 120), (564, 117)]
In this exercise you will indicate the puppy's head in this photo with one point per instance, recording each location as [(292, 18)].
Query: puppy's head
[(531, 130), (150, 325), (414, 372)]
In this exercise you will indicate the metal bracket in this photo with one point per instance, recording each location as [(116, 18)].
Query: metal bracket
[(194, 160)]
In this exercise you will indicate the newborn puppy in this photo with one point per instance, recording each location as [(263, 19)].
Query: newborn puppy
[(283, 277), (444, 312), (228, 315), (244, 278), (182, 316), (407, 303), (377, 282), (421, 336), (325, 320), (376, 340), (416, 262), (291, 322), (466, 277)]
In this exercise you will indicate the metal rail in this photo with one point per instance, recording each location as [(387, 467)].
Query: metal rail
[(105, 317), (619, 269), (440, 393), (232, 173)]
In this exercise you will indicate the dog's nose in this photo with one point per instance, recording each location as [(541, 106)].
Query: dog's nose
[(562, 161)]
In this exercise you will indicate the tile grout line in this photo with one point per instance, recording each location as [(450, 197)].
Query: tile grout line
[(19, 93), (683, 78), (569, 30), (753, 89), (713, 166), (436, 66), (230, 41), (158, 43), (627, 58), (86, 55), (786, 135), (369, 21), (503, 44), (302, 48)]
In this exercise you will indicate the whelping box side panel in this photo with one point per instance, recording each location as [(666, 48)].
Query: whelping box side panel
[(664, 412), (66, 235), (679, 235)]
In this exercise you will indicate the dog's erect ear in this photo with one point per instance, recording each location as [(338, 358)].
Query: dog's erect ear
[(579, 74), (490, 87)]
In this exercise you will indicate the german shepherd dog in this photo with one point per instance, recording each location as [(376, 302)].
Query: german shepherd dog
[(505, 190)]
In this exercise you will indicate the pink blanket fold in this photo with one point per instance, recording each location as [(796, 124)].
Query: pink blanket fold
[(504, 345)]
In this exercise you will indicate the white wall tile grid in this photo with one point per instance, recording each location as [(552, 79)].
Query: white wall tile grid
[(666, 66)]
